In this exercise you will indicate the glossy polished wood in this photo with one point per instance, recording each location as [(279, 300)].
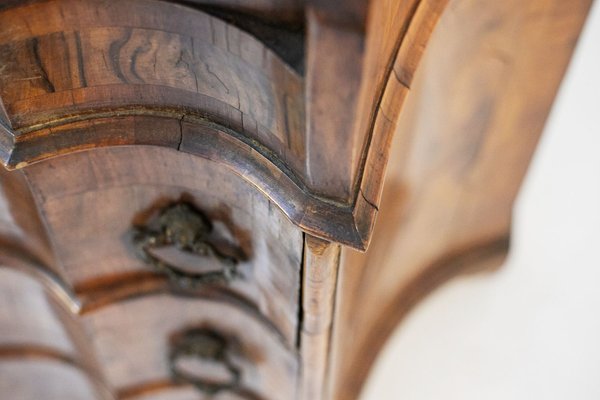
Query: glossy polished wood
[(274, 120)]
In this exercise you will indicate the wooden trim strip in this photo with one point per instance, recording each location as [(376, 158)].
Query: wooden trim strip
[(151, 387), (130, 287), (14, 257), (198, 136), (33, 352)]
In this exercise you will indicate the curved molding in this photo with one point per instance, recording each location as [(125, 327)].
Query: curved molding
[(134, 286), (148, 388), (17, 258), (33, 352), (89, 298), (201, 137), (160, 386), (105, 79), (389, 103), (487, 256)]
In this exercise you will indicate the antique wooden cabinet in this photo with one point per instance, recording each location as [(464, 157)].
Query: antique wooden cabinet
[(191, 186)]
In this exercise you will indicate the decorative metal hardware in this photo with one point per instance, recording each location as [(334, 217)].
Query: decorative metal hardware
[(208, 346), (189, 230)]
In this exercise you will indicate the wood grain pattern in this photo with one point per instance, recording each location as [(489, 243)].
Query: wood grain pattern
[(320, 271), (35, 379), (276, 120), (269, 369), (71, 58), (112, 189), (70, 65), (98, 271), (472, 119), (20, 223), (27, 318), (35, 341)]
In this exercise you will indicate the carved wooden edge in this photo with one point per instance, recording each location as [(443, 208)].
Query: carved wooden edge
[(157, 387), (15, 257), (319, 281), (30, 352), (129, 287), (476, 232), (217, 139), (203, 138), (485, 256), (390, 103), (88, 298)]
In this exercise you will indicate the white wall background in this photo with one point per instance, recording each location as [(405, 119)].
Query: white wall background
[(532, 330)]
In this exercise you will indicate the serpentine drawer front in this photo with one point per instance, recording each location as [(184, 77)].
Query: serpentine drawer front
[(109, 257), (190, 187)]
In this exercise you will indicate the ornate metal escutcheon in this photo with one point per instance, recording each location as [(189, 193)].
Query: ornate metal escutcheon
[(188, 230), (209, 349)]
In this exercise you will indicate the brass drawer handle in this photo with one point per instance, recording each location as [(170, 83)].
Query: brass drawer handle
[(210, 349), (188, 229)]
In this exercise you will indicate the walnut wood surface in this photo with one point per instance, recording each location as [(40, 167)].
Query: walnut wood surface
[(268, 371), (71, 67), (465, 137), (98, 256), (71, 58), (320, 272), (98, 271), (38, 345), (33, 379), (276, 120)]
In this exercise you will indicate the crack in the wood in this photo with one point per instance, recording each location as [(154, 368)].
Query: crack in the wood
[(286, 121), (369, 202), (180, 132), (217, 77), (104, 59), (300, 313), (183, 60), (154, 61), (387, 118), (400, 81)]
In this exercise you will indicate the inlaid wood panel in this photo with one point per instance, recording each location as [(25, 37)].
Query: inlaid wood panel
[(79, 57), (133, 339), (186, 173), (90, 202)]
